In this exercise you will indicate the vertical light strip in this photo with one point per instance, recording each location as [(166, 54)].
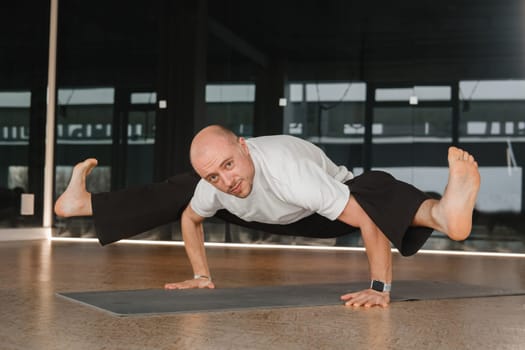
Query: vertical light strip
[(49, 166)]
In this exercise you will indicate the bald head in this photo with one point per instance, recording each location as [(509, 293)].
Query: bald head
[(208, 139), (223, 159)]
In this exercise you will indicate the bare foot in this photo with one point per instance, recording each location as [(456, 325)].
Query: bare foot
[(76, 200), (454, 211)]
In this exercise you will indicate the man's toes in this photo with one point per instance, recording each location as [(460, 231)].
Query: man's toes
[(457, 153)]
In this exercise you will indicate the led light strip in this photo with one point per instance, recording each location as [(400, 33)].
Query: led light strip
[(292, 247)]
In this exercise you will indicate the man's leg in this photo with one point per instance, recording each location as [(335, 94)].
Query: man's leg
[(125, 213), (313, 226), (122, 214), (76, 201), (452, 215)]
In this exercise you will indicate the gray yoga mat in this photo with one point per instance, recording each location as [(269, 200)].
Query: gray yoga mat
[(159, 301)]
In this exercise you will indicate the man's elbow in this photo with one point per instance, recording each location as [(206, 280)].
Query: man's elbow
[(190, 217)]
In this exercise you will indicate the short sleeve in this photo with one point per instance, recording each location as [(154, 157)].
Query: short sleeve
[(204, 201)]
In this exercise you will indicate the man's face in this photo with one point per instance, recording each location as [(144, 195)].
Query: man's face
[(227, 166)]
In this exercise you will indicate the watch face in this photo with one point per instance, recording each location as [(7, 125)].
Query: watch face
[(378, 285)]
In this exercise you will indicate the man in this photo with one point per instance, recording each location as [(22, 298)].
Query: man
[(284, 180)]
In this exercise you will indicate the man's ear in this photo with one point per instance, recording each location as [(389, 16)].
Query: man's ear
[(244, 146)]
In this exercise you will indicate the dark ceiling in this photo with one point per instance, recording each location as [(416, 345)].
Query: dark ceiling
[(384, 38), (338, 40)]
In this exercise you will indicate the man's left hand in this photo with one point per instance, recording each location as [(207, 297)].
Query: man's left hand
[(367, 298)]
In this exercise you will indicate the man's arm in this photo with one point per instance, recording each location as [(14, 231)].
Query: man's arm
[(193, 236), (379, 255)]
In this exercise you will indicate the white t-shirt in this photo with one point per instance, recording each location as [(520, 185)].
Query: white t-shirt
[(293, 179)]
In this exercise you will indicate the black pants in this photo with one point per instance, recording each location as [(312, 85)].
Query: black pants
[(390, 203)]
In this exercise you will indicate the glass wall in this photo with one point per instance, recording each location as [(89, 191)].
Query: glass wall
[(231, 105), (492, 126), (373, 89), (107, 99), (24, 32), (140, 138), (15, 109), (411, 129), (331, 115), (83, 130)]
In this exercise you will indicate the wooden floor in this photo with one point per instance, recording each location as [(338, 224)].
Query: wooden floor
[(33, 317)]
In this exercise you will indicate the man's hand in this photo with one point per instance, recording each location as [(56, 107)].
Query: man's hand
[(367, 298), (191, 284), (193, 236)]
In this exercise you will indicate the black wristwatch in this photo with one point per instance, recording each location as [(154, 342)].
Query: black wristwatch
[(380, 286)]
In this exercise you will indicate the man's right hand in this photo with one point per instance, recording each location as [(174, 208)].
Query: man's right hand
[(367, 298), (191, 284)]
